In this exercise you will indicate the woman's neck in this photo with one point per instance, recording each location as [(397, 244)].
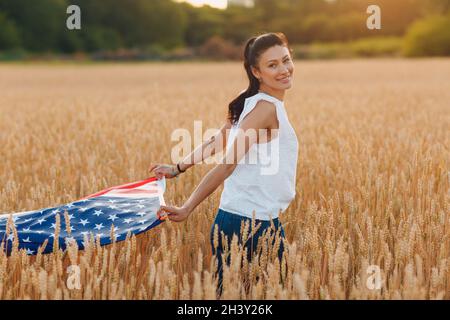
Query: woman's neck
[(279, 94)]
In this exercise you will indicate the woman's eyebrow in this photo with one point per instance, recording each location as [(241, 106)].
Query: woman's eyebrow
[(277, 60)]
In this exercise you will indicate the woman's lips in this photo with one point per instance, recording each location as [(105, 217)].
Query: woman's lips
[(285, 80)]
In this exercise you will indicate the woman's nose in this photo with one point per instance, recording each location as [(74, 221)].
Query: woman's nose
[(284, 70)]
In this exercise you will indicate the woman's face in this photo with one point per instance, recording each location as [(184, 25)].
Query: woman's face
[(275, 68)]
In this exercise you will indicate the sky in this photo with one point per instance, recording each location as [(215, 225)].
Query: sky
[(213, 3)]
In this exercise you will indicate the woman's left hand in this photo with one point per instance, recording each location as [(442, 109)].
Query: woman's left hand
[(176, 214)]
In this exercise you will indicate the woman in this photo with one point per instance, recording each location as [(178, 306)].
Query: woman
[(249, 191)]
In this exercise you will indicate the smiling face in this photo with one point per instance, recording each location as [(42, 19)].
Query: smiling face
[(275, 68)]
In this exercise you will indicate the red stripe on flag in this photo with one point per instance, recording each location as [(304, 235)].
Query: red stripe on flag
[(123, 186)]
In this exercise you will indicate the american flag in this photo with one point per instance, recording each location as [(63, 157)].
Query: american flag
[(129, 208)]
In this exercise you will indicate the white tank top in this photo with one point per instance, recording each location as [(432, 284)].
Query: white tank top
[(266, 186)]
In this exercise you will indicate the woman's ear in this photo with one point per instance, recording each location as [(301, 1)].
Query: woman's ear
[(255, 72)]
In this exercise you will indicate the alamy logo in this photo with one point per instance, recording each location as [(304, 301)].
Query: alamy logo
[(73, 22), (373, 281), (73, 280), (374, 20), (266, 152)]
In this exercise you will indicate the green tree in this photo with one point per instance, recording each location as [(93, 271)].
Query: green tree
[(315, 27), (239, 24), (9, 36), (133, 23), (145, 22), (428, 37), (202, 23), (39, 22), (97, 38)]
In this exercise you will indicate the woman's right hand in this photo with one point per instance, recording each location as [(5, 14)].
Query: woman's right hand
[(164, 170)]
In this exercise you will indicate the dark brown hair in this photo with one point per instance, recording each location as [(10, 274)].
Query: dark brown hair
[(254, 48)]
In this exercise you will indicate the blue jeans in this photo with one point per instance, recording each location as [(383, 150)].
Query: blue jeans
[(230, 224)]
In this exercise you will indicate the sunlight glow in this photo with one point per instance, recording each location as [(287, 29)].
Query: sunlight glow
[(222, 4)]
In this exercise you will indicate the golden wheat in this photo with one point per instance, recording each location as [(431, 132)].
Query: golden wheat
[(373, 179)]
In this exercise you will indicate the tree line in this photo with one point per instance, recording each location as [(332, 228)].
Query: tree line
[(40, 26)]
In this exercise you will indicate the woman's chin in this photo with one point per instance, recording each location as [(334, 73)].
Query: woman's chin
[(287, 86)]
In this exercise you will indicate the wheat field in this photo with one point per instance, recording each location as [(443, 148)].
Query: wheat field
[(373, 178)]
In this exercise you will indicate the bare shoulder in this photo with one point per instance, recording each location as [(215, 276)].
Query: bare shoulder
[(266, 105), (264, 108), (263, 115)]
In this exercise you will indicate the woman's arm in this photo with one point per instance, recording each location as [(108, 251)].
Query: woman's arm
[(263, 116), (207, 149)]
